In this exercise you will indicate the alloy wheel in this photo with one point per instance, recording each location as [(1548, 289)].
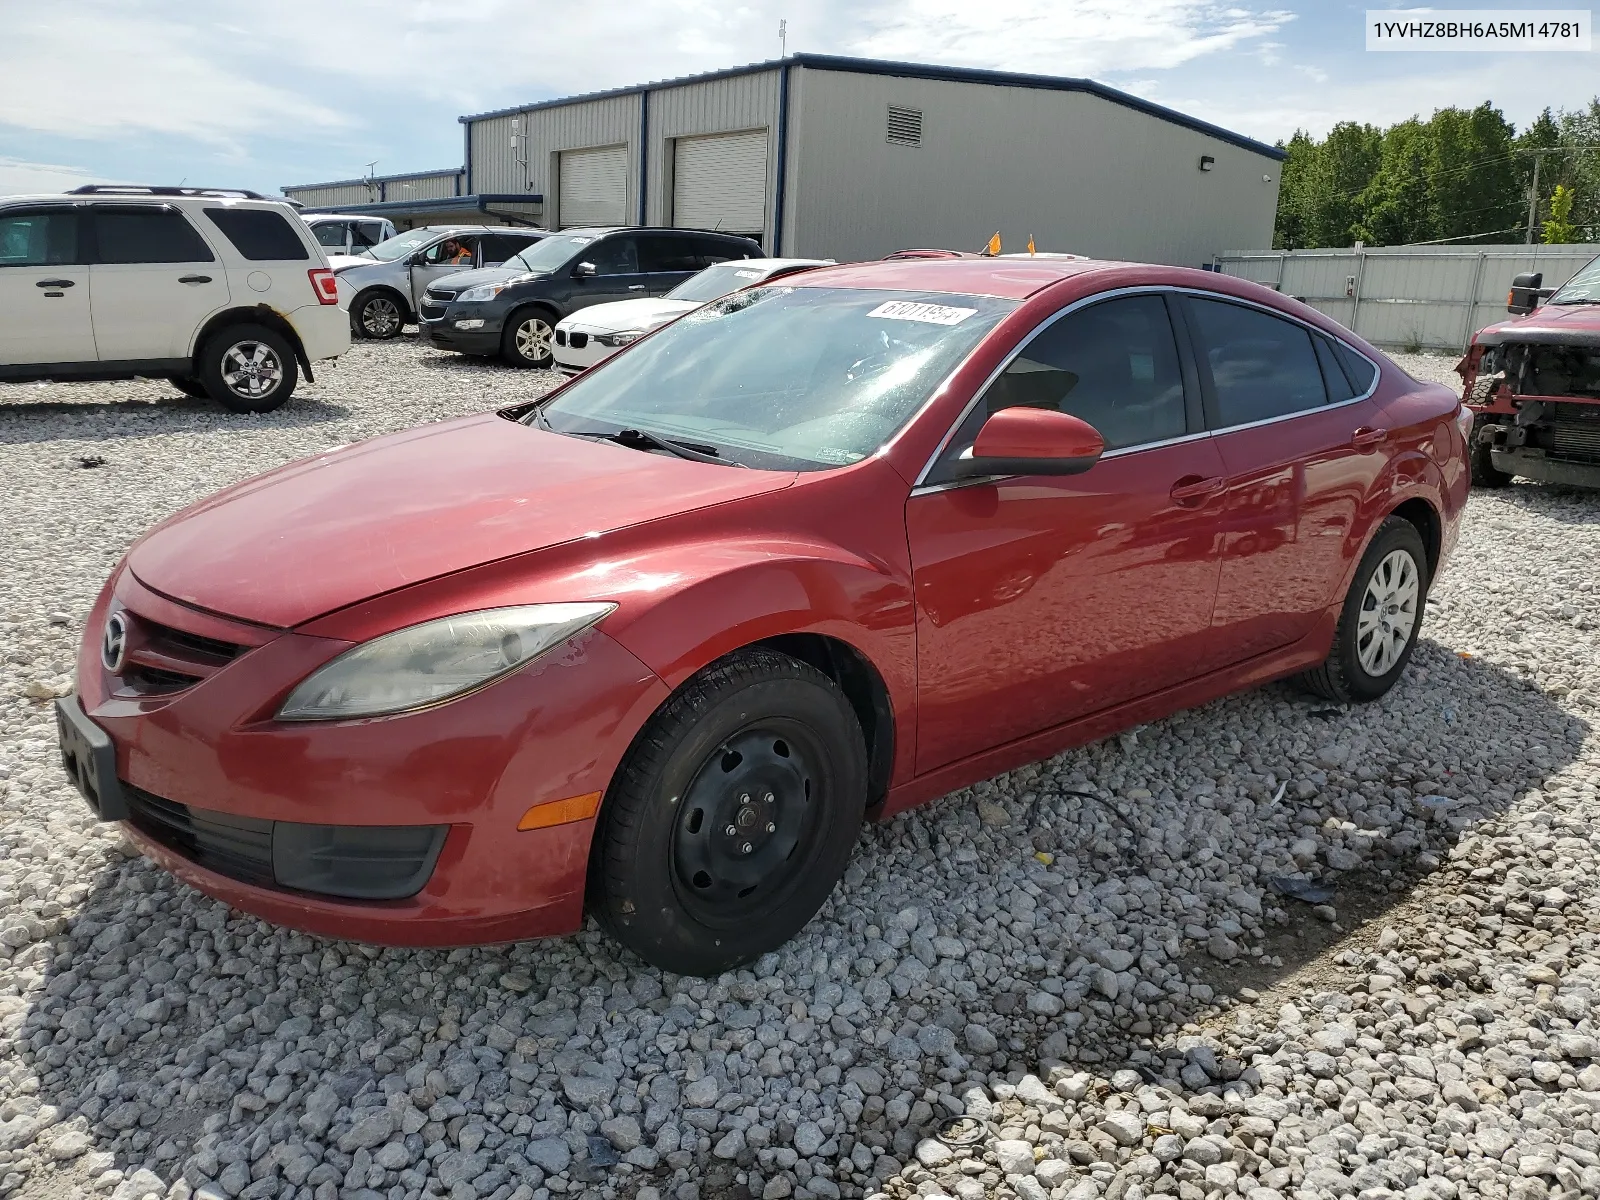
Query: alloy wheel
[(380, 317), (1388, 613), (251, 370), (534, 337)]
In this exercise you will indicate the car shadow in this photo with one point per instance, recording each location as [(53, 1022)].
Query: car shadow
[(1560, 502), (20, 417), (148, 1010)]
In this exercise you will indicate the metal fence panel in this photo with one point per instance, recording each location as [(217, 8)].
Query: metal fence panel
[(1433, 297)]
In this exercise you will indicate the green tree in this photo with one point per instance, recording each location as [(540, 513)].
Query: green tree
[(1289, 230), (1342, 170), (1558, 230), (1397, 205), (1474, 177)]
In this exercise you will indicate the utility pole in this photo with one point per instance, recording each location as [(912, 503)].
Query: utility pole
[(1533, 198)]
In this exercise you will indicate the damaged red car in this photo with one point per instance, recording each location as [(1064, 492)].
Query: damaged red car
[(656, 644), (1533, 385)]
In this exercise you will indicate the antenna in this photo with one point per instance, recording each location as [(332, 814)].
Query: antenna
[(783, 38), (372, 187)]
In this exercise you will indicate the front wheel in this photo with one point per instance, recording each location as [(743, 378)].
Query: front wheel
[(732, 816), (528, 339), (248, 368), (1380, 621), (378, 314), (1481, 458)]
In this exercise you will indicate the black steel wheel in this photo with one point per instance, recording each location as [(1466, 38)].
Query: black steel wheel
[(732, 816)]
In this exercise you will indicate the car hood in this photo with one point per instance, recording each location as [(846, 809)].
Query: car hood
[(326, 532), (629, 314), (1551, 323), (465, 279), (343, 262)]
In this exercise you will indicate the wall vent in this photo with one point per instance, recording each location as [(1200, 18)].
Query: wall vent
[(905, 126)]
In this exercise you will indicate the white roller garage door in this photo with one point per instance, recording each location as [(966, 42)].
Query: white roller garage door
[(720, 182), (594, 185)]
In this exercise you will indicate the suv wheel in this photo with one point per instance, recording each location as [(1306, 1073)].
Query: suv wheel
[(528, 339), (1380, 621), (378, 315), (1484, 473), (248, 368)]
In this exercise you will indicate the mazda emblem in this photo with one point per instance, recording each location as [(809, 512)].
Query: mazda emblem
[(114, 643)]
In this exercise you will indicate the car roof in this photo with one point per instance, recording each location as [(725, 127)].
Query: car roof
[(1008, 279), (145, 198)]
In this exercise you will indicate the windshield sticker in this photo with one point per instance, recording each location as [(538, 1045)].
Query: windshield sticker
[(928, 314), (748, 274)]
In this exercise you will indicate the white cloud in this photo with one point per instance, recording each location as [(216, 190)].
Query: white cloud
[(20, 178), (1070, 37), (96, 71)]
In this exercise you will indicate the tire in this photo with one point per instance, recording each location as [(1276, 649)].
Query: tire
[(527, 339), (248, 368), (1484, 473), (1364, 664), (190, 386), (378, 314), (760, 744)]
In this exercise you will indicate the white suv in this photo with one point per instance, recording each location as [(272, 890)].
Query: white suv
[(225, 293)]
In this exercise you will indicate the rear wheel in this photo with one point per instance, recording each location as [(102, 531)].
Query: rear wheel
[(528, 338), (732, 816), (1380, 621), (378, 314), (248, 368)]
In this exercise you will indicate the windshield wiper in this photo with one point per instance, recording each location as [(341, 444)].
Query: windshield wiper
[(643, 439)]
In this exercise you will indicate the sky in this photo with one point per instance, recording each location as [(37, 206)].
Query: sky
[(237, 93)]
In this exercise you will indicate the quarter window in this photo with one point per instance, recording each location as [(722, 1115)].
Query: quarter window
[(1261, 366), (1115, 364), (147, 235), (260, 235), (38, 239), (1361, 372), (1332, 373)]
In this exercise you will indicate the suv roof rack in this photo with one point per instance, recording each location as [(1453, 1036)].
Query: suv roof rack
[(134, 189)]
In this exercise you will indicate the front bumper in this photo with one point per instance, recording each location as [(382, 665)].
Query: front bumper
[(1531, 463), (459, 777), (441, 333)]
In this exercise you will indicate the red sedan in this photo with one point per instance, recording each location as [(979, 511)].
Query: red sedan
[(658, 642)]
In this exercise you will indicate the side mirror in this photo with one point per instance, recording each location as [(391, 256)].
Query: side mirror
[(584, 270), (1524, 294), (1031, 441)]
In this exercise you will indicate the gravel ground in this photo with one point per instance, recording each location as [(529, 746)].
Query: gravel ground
[(1107, 975)]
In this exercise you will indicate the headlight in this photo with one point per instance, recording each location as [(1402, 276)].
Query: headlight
[(619, 339), (484, 291), (435, 661)]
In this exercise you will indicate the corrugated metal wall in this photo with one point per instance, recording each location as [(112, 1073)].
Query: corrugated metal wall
[(320, 195), (542, 133), (492, 165), (1435, 297), (1080, 173), (742, 102), (436, 186)]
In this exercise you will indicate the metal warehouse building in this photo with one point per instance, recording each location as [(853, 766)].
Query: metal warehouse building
[(853, 158)]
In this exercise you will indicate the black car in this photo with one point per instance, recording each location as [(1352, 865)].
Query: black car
[(512, 310)]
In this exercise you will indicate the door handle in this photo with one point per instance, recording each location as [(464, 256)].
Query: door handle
[(636, 287), (1367, 437), (54, 283), (194, 279), (1192, 490)]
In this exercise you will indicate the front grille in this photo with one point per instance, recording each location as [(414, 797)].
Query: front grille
[(347, 862), (162, 659), (238, 847), (578, 340), (430, 311), (1575, 431), (561, 337)]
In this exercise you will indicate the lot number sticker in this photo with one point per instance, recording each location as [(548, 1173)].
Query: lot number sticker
[(928, 314)]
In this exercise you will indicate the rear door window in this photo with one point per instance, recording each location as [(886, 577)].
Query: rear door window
[(1261, 366), (711, 250), (329, 235), (40, 238), (261, 235), (660, 252), (147, 235)]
